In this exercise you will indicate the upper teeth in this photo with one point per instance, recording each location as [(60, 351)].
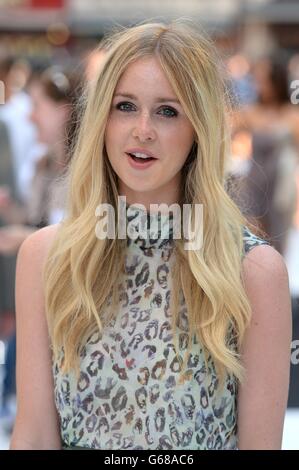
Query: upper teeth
[(140, 155)]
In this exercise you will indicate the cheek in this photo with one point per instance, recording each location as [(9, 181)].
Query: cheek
[(110, 126), (179, 141), (108, 140), (115, 135)]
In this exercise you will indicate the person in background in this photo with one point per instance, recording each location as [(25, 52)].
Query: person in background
[(18, 146), (269, 189), (93, 61), (25, 148), (54, 94)]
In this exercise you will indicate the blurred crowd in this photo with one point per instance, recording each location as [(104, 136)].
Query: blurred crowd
[(37, 126)]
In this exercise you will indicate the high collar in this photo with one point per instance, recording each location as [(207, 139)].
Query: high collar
[(148, 229)]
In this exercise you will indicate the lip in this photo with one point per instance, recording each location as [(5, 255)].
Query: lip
[(140, 150), (139, 166)]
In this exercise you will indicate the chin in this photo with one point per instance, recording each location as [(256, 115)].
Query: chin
[(140, 188)]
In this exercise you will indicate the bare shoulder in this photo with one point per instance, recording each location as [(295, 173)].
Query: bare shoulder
[(33, 253), (263, 265), (38, 243), (266, 282), (263, 396)]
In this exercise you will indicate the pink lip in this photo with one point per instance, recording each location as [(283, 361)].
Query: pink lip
[(139, 150), (139, 166)]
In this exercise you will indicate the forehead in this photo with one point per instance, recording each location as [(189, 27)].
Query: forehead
[(144, 75)]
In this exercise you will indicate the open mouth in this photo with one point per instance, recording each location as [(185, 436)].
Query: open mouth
[(140, 160)]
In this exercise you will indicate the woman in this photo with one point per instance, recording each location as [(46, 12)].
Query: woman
[(150, 340), (270, 185), (54, 93)]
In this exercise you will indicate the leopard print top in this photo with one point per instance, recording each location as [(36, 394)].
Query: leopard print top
[(128, 395)]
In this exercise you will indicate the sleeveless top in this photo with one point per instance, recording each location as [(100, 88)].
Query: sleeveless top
[(128, 395)]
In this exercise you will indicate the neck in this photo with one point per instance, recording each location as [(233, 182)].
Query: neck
[(166, 196)]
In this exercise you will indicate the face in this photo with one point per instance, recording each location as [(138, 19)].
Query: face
[(48, 116), (146, 118)]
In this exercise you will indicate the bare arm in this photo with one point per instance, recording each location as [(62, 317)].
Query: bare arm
[(266, 351), (36, 425)]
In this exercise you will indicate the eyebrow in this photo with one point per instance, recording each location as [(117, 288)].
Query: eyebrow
[(158, 100)]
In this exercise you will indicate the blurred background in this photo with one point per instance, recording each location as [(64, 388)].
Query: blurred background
[(47, 55)]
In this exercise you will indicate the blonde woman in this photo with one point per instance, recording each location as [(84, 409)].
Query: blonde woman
[(138, 342)]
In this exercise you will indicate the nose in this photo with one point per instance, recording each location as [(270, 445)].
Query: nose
[(144, 129)]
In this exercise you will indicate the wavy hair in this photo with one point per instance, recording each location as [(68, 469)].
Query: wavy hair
[(81, 273)]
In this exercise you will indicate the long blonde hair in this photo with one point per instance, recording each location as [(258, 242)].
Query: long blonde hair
[(82, 271)]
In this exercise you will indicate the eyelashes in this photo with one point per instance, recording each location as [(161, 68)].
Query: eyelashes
[(127, 107), (124, 106), (173, 111)]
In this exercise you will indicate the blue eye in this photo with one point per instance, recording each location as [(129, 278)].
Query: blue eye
[(124, 106), (169, 112), (166, 111)]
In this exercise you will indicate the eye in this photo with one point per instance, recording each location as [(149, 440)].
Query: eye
[(167, 111), (124, 106)]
